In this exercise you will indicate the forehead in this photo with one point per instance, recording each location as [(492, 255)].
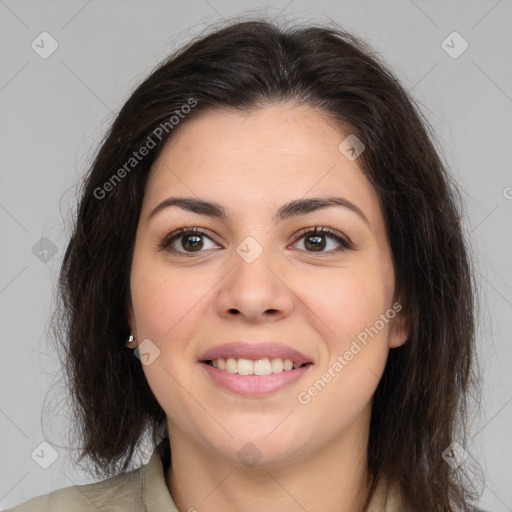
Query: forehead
[(254, 162)]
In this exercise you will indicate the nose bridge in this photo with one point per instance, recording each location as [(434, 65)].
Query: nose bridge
[(252, 261), (254, 285)]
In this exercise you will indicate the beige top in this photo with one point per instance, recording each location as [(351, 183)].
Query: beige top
[(145, 490)]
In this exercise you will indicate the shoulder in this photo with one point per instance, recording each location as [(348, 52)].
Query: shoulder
[(121, 492)]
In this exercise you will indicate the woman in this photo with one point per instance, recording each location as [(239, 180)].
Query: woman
[(268, 225)]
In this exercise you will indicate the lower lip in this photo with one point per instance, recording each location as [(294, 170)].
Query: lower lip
[(254, 385)]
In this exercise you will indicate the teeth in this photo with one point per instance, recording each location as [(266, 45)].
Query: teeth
[(277, 365), (263, 366), (245, 367)]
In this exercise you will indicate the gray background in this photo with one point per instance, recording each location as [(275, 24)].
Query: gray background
[(55, 110)]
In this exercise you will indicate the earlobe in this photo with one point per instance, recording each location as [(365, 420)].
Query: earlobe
[(400, 330), (131, 324), (130, 340)]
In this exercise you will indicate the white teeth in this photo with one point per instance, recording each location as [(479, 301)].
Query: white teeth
[(245, 366), (231, 365), (277, 365), (264, 366)]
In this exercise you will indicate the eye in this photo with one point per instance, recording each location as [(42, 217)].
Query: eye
[(315, 240), (189, 241)]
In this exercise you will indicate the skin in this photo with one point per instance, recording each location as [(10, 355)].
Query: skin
[(316, 302)]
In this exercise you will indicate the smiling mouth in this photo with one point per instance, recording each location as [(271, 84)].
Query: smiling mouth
[(263, 366)]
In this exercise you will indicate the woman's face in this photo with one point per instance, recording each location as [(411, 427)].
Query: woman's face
[(259, 277)]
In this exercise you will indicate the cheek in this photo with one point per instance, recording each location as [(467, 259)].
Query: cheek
[(356, 339), (163, 301), (356, 343), (166, 305), (348, 302)]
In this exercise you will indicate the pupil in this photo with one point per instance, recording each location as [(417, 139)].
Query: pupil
[(196, 244), (317, 242)]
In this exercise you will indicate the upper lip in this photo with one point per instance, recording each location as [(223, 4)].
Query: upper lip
[(251, 350)]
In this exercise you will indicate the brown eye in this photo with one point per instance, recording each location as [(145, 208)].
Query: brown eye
[(186, 241), (192, 242), (316, 240)]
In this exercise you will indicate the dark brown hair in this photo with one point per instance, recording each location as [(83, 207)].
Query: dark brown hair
[(420, 404)]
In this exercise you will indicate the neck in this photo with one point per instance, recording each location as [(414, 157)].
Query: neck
[(334, 477)]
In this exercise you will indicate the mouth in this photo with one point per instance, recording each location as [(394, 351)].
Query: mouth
[(257, 367), (254, 369), (254, 378)]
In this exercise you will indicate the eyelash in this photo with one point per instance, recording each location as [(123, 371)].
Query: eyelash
[(344, 242)]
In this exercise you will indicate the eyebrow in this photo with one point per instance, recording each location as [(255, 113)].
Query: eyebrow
[(291, 209)]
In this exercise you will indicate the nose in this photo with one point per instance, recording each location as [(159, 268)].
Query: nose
[(255, 290)]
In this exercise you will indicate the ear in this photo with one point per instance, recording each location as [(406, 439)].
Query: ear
[(131, 322), (400, 326)]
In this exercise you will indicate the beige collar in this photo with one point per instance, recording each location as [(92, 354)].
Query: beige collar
[(386, 498)]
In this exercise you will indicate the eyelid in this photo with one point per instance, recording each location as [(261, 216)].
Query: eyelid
[(176, 233), (323, 230), (342, 239)]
